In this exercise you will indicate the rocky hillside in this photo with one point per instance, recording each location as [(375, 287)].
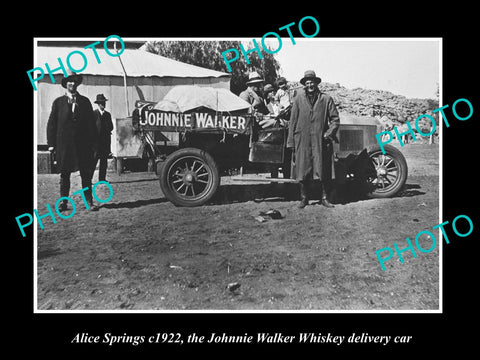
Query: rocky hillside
[(383, 105)]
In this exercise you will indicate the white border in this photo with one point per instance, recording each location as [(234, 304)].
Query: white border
[(35, 231)]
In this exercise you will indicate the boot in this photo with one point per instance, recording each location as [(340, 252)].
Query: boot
[(88, 196), (302, 203), (325, 201), (303, 195)]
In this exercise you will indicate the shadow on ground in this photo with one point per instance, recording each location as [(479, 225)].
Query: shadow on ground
[(340, 193), (133, 204), (132, 181)]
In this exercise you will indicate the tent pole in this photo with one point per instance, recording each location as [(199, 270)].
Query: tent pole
[(124, 80)]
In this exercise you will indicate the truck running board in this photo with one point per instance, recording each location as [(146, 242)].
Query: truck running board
[(264, 179)]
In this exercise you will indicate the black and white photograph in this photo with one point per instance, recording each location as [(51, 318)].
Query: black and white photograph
[(265, 188), (241, 180)]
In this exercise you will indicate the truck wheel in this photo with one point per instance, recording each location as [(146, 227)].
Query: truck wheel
[(189, 177), (388, 172)]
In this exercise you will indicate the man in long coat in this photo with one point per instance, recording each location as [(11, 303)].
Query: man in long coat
[(314, 122), (104, 130), (71, 133)]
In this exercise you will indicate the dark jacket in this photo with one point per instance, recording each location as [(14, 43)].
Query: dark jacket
[(257, 103), (308, 125), (73, 135), (104, 127)]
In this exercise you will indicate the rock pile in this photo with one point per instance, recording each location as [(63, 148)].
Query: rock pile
[(390, 109)]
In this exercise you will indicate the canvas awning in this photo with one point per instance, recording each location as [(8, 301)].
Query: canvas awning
[(188, 97), (137, 63)]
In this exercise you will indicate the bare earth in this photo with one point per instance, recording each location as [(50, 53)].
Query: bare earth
[(140, 252)]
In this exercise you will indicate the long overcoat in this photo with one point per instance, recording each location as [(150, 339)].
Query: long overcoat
[(307, 128), (104, 126), (73, 134)]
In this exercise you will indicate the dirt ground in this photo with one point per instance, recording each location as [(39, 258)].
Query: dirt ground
[(140, 252)]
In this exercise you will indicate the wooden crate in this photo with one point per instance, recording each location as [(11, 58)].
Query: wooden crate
[(44, 162)]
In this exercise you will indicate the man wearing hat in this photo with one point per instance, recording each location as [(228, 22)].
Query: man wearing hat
[(253, 94), (314, 122), (71, 133), (104, 130)]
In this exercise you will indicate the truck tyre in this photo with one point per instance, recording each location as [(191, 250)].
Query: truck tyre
[(388, 173), (189, 177)]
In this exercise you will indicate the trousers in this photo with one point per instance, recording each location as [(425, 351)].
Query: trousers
[(86, 176), (325, 187), (102, 168)]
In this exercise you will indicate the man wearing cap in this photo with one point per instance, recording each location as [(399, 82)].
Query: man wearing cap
[(314, 122), (104, 130), (71, 133)]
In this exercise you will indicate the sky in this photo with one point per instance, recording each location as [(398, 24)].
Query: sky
[(403, 66), (408, 67)]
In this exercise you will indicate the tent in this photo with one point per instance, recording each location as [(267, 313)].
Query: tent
[(148, 77)]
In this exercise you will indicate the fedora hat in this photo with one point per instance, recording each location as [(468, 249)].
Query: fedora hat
[(310, 75), (254, 77), (71, 76), (100, 98)]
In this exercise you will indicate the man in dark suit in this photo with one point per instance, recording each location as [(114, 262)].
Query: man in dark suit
[(71, 133), (104, 130)]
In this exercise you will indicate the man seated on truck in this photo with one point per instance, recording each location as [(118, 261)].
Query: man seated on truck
[(254, 96), (270, 102), (277, 116), (283, 96)]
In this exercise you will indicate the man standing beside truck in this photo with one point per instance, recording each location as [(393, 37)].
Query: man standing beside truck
[(314, 122)]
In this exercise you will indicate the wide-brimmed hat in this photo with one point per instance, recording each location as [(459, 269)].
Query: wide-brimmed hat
[(267, 88), (71, 76), (310, 75), (254, 78), (100, 98), (281, 80)]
